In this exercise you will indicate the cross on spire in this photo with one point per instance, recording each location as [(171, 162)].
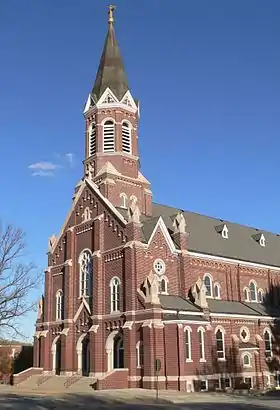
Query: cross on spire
[(111, 14)]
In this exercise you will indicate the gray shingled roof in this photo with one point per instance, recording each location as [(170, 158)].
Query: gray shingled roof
[(177, 303), (204, 238), (111, 71)]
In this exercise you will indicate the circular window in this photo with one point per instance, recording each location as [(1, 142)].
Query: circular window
[(244, 334), (159, 267)]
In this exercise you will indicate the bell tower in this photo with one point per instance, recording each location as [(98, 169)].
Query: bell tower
[(111, 137)]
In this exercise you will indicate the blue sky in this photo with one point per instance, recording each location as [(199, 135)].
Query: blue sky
[(206, 73)]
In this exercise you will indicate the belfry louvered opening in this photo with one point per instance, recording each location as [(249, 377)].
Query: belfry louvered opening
[(109, 136), (92, 140), (126, 138)]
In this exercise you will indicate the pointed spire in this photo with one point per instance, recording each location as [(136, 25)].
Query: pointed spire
[(111, 69)]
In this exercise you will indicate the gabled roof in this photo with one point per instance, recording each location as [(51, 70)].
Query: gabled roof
[(111, 71), (203, 237)]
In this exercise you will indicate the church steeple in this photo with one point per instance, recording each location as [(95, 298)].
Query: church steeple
[(111, 143), (111, 71)]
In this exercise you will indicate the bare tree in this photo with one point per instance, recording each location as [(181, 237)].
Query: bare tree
[(17, 280)]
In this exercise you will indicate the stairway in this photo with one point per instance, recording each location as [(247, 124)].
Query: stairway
[(58, 384)]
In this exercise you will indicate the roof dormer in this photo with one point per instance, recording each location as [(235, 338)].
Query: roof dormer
[(260, 238), (222, 230)]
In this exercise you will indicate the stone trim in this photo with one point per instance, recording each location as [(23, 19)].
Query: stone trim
[(94, 328), (41, 333), (134, 378), (128, 325)]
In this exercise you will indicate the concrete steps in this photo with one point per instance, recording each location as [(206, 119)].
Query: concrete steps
[(77, 384), (82, 385)]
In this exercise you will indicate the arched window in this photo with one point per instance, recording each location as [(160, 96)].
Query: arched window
[(139, 354), (217, 291), (267, 344), (126, 137), (85, 273), (253, 291), (58, 314), (92, 140), (201, 332), (208, 285), (123, 200), (109, 136), (246, 294), (115, 294), (163, 285), (246, 360), (260, 295), (220, 344), (188, 344)]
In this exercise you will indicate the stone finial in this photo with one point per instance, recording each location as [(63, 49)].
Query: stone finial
[(134, 213), (51, 242), (199, 294), (151, 286), (40, 308), (179, 223), (90, 171)]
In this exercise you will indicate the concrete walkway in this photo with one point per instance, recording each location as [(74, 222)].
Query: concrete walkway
[(134, 399)]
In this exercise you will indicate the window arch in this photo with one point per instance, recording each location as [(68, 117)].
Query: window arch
[(267, 344), (188, 331), (246, 358), (58, 304), (123, 200), (217, 291), (220, 343), (139, 354), (201, 334), (115, 294), (208, 282), (126, 137), (92, 140), (109, 136), (260, 295), (85, 262), (163, 282), (246, 294), (253, 291)]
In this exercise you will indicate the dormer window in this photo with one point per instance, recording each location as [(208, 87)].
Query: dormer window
[(259, 237), (262, 240), (225, 232), (222, 230)]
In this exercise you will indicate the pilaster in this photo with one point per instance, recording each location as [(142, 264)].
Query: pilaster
[(129, 336), (98, 365), (153, 341)]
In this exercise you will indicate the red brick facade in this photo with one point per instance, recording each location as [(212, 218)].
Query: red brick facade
[(113, 334)]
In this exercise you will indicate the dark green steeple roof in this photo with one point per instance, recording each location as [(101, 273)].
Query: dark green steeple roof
[(111, 69)]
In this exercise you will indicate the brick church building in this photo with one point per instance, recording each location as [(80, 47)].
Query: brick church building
[(130, 281)]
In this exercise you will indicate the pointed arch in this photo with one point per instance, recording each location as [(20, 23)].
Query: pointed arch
[(208, 282), (253, 291), (126, 136), (201, 341), (139, 354), (58, 304), (85, 262), (115, 294), (123, 197), (92, 139), (267, 343), (188, 331), (108, 135), (163, 285), (220, 342)]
